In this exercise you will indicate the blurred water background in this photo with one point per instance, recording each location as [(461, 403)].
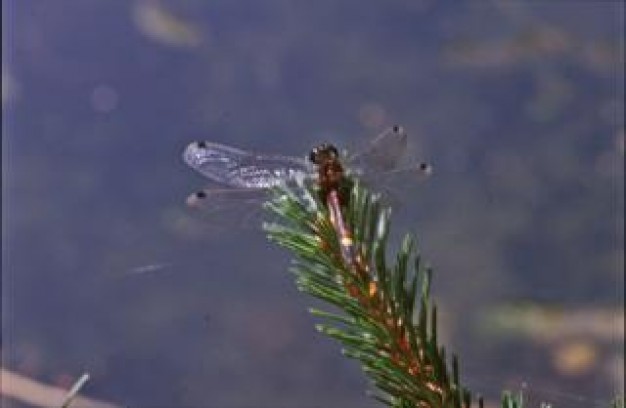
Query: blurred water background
[(518, 105)]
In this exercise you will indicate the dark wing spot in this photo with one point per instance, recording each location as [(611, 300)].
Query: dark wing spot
[(425, 168)]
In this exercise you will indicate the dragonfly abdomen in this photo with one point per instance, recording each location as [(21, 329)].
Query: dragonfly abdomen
[(346, 243)]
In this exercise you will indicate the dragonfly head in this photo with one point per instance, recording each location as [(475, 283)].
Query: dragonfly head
[(323, 153)]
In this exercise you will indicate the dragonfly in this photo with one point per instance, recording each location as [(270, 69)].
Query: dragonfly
[(330, 179), (247, 176)]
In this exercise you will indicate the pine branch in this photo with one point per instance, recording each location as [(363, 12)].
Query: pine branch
[(386, 319)]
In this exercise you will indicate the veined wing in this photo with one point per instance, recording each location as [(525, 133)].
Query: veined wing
[(383, 153), (229, 207), (241, 169), (219, 199)]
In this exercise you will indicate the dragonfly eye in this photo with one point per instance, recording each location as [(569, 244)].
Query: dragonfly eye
[(324, 151), (313, 155), (201, 195), (201, 145), (332, 150)]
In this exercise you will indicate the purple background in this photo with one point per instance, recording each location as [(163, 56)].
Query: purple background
[(518, 106)]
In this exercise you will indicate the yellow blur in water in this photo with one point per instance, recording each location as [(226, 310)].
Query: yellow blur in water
[(158, 24)]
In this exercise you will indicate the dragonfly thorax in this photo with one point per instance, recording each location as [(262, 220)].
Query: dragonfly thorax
[(330, 171)]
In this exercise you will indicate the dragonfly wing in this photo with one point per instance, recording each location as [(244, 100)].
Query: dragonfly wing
[(383, 153), (241, 169), (230, 198), (229, 209)]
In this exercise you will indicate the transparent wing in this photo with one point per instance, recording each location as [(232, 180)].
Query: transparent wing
[(218, 199), (383, 153), (241, 169), (230, 208)]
